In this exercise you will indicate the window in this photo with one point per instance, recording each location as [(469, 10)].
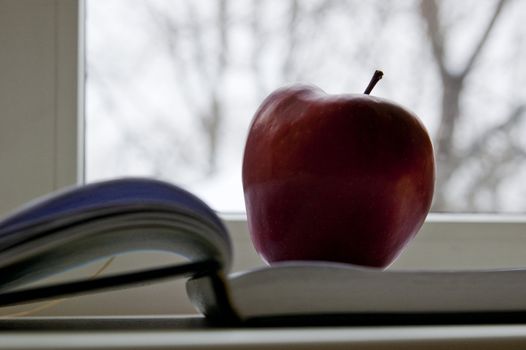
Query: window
[(172, 86)]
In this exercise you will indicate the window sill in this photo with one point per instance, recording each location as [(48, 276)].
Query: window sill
[(96, 334), (446, 241)]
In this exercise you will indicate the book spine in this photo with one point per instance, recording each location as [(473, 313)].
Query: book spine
[(210, 295)]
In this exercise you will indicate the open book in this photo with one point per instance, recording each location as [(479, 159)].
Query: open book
[(86, 223)]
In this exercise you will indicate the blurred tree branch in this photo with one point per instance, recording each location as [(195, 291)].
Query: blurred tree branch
[(204, 65), (483, 39), (453, 83)]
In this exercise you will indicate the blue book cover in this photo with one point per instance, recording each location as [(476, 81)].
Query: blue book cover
[(107, 194), (85, 223)]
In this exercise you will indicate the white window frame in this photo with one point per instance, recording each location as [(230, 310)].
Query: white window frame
[(42, 143), (41, 98)]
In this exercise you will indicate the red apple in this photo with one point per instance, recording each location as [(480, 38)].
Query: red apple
[(346, 178)]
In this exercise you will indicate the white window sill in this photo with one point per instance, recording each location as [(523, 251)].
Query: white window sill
[(446, 241), (443, 337)]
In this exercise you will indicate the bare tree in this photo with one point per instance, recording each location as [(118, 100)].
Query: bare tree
[(450, 159)]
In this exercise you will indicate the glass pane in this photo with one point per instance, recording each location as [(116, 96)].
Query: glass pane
[(173, 85)]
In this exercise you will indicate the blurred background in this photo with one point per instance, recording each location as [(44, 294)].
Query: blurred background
[(172, 85)]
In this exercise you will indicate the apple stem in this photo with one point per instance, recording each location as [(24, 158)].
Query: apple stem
[(378, 74)]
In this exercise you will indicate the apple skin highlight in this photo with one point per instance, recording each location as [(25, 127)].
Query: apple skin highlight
[(343, 178)]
